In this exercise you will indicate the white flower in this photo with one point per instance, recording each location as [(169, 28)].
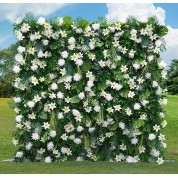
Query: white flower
[(15, 142), (64, 54), (151, 136), (90, 83), (150, 58), (34, 80), (64, 137), (79, 62), (91, 129), (41, 21), (64, 150), (25, 28), (79, 158), (155, 84), (156, 127), (97, 108), (108, 97), (40, 54), (119, 157), (32, 37), (46, 125), (18, 21), (61, 62), (21, 49), (60, 21), (147, 75), (60, 115), (162, 64), (77, 77), (155, 152), (60, 95), (136, 66), (161, 137), (45, 42), (16, 69), (81, 95), (96, 26), (19, 154), (17, 99), (124, 68), (52, 133), (144, 102), (77, 141), (48, 159), (160, 161), (31, 104), (18, 118), (131, 94), (130, 159), (34, 67), (79, 128), (162, 101), (164, 123), (122, 125), (142, 149), (158, 43), (52, 106), (50, 146), (134, 141), (35, 136), (71, 41), (75, 112), (137, 106), (54, 86), (28, 146)]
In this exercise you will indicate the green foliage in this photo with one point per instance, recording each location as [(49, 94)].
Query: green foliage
[(171, 82)]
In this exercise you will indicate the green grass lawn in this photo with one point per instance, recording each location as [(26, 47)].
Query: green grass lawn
[(7, 121)]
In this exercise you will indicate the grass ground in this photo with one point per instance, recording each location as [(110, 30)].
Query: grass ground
[(7, 149)]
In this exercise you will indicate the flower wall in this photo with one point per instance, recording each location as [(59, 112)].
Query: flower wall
[(89, 91)]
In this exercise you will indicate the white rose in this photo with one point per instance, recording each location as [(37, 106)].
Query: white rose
[(71, 41), (31, 104), (48, 159), (72, 137), (52, 133), (81, 95), (61, 62), (75, 112), (45, 42), (16, 69), (97, 108), (64, 54), (137, 106), (54, 86), (19, 154), (162, 64), (155, 84), (151, 136), (50, 146), (77, 141), (28, 146), (18, 118), (96, 26), (79, 128), (136, 66), (77, 77), (41, 21), (21, 49), (60, 95), (17, 99), (34, 67), (91, 129)]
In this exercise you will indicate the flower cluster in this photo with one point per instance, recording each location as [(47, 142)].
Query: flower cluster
[(89, 91)]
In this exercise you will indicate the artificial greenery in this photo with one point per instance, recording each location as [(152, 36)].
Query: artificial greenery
[(89, 91)]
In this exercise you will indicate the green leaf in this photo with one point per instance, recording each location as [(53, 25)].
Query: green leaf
[(102, 86), (113, 127), (75, 99), (138, 123)]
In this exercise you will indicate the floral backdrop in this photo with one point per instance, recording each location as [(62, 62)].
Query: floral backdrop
[(89, 91)]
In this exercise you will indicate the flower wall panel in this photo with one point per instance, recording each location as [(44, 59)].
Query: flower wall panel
[(89, 91)]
